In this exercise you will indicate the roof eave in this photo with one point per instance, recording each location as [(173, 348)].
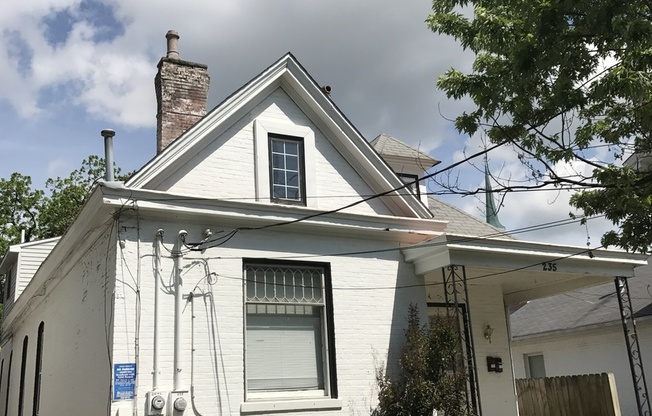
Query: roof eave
[(492, 252), (297, 219)]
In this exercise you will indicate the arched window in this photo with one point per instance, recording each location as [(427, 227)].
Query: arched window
[(21, 391), (11, 358), (38, 367), (2, 372)]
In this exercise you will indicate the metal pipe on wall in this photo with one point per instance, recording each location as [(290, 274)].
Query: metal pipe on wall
[(178, 300), (157, 316)]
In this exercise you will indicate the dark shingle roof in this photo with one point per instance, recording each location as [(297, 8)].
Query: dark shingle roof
[(387, 145), (461, 223), (580, 308)]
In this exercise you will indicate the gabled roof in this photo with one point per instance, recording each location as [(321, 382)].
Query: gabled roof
[(289, 75), (12, 252), (391, 146), (461, 223), (582, 308)]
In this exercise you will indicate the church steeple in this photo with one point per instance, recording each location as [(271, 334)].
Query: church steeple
[(491, 212)]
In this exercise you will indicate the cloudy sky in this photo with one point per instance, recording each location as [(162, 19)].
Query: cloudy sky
[(71, 68)]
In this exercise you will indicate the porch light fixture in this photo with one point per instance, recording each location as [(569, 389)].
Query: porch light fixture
[(487, 332)]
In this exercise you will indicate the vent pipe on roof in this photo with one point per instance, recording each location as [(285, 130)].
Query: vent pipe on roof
[(108, 153)]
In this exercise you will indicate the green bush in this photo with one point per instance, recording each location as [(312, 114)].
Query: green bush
[(431, 375)]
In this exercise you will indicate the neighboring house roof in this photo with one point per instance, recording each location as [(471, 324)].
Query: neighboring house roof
[(639, 161), (12, 252), (461, 223), (390, 146), (581, 308)]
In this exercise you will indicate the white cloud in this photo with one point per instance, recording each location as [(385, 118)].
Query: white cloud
[(59, 168), (378, 56), (114, 82)]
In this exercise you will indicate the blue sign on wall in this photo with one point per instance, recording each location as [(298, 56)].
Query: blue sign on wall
[(124, 381)]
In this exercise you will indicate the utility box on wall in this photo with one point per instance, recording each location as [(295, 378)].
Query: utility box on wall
[(494, 364)]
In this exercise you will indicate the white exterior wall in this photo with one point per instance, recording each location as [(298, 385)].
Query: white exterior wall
[(590, 351), (486, 307), (75, 364), (225, 168), (368, 321)]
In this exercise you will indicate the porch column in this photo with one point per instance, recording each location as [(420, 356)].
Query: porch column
[(633, 349), (456, 298)]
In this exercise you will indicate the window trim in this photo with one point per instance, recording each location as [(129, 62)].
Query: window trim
[(271, 137), (528, 370), (262, 130), (38, 370), (11, 359), (23, 373), (408, 178), (330, 390)]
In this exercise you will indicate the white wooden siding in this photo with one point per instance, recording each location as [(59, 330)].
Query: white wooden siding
[(589, 351), (31, 256)]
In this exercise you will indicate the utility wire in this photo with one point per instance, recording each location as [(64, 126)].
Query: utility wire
[(366, 199), (457, 240), (424, 284)]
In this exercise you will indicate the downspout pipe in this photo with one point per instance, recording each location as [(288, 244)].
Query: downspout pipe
[(178, 299), (157, 317)]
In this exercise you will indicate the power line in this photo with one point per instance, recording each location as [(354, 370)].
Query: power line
[(424, 284), (366, 199), (458, 239), (341, 196)]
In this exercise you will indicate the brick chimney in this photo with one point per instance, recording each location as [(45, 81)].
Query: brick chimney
[(181, 93)]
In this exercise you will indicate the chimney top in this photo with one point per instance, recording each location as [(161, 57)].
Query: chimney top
[(173, 44)]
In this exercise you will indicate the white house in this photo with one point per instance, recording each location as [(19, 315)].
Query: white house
[(262, 262), (580, 332)]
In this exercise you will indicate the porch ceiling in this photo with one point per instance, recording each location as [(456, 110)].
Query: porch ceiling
[(524, 270)]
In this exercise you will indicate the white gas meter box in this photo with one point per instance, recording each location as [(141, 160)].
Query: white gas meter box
[(156, 402)]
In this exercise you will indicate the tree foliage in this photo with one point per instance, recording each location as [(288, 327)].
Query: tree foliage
[(426, 380), (41, 216), (558, 79), (19, 209)]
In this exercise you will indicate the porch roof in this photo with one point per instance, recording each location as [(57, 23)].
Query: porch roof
[(525, 270)]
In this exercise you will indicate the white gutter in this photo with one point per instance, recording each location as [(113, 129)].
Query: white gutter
[(256, 214)]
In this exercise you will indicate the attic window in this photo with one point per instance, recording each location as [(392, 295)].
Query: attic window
[(286, 161), (411, 179)]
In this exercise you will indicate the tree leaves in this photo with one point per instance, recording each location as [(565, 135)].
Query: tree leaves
[(19, 209), (556, 78), (40, 216)]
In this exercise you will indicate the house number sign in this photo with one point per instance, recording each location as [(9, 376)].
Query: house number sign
[(549, 267)]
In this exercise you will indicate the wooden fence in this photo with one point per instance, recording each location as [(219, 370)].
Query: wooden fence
[(585, 395)]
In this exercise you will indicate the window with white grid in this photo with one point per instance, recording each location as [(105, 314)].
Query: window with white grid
[(286, 169), (286, 336)]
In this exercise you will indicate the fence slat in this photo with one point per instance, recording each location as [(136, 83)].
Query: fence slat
[(583, 395)]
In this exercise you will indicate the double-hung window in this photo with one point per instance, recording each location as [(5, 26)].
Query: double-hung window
[(286, 169), (289, 337)]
